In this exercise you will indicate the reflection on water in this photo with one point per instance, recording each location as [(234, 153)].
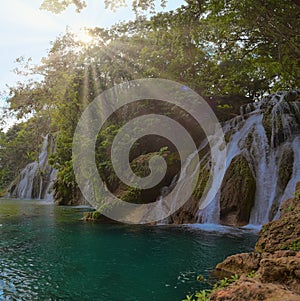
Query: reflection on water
[(47, 253)]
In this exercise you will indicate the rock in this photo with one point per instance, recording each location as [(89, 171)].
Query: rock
[(285, 167), (238, 264), (282, 268), (292, 95), (272, 271), (187, 213), (252, 289), (140, 166), (237, 193), (283, 233), (96, 216)]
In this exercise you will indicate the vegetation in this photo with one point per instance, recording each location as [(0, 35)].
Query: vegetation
[(294, 245), (225, 48), (251, 274), (286, 167), (19, 146), (204, 294)]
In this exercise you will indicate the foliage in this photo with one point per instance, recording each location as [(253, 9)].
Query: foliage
[(225, 282), (254, 45), (19, 146), (215, 47), (251, 274), (57, 6), (259, 40), (199, 296), (204, 294)]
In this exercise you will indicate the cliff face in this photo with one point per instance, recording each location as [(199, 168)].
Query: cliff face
[(272, 271)]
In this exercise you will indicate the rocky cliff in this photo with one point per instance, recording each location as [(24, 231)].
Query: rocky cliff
[(272, 270)]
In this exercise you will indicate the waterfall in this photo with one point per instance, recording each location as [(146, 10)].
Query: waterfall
[(36, 180), (266, 135)]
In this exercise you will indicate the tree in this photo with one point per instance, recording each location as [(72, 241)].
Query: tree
[(19, 146), (216, 47), (254, 43), (258, 40), (57, 6)]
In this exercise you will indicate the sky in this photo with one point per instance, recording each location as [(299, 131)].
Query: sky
[(25, 30)]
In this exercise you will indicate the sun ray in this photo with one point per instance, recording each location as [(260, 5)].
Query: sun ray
[(85, 92)]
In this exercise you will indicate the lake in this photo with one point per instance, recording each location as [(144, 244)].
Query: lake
[(48, 253)]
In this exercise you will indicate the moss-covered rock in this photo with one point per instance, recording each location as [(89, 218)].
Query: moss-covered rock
[(284, 233), (203, 177), (97, 217), (286, 167), (267, 124), (188, 212), (140, 166), (293, 95), (237, 193)]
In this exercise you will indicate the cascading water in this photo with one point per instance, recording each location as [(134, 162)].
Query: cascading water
[(267, 137), (36, 180)]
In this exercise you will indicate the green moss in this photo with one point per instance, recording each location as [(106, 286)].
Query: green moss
[(251, 274), (132, 195), (140, 166), (286, 167), (3, 193), (237, 192), (297, 194), (36, 185), (225, 106), (228, 134), (92, 216), (247, 143), (288, 209), (294, 246), (202, 181), (96, 215), (249, 140), (267, 124)]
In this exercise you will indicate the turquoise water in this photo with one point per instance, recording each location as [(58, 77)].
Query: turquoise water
[(47, 253)]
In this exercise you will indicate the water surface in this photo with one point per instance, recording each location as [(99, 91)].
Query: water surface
[(47, 253)]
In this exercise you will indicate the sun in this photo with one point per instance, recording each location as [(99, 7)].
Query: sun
[(83, 36)]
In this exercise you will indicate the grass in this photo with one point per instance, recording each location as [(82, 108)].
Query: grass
[(204, 295)]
